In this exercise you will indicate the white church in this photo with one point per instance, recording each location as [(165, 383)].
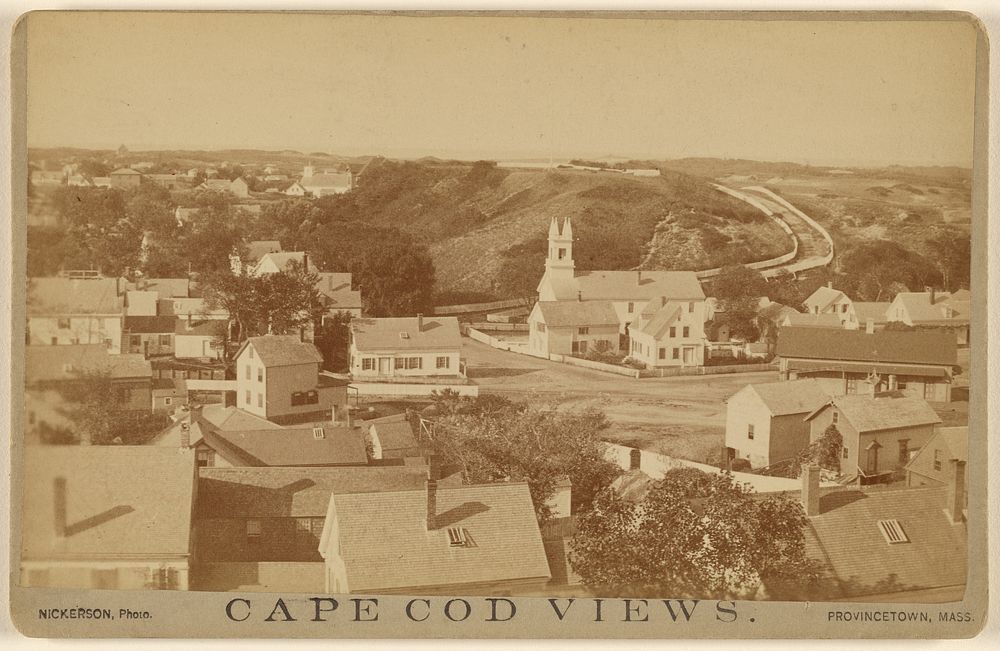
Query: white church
[(656, 317)]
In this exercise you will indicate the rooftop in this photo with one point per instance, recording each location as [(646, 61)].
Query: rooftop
[(281, 259), (54, 363), (824, 297), (875, 413), (632, 285), (405, 333), (797, 319), (919, 347), (120, 501), (385, 543), (791, 397), (282, 350), (944, 307), (656, 324), (557, 314), (322, 445), (874, 311), (394, 432), (68, 296), (150, 324), (257, 249)]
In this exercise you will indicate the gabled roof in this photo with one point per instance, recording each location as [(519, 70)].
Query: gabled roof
[(282, 492), (233, 419), (437, 333), (150, 324), (635, 285), (855, 557), (824, 297), (931, 348), (776, 311), (953, 440), (875, 413), (874, 311), (797, 319), (394, 432), (69, 296), (282, 350), (55, 363), (121, 501), (197, 327), (257, 249), (336, 290), (125, 171), (164, 287), (558, 314), (289, 446), (920, 309), (385, 543), (281, 259), (791, 397), (656, 326)]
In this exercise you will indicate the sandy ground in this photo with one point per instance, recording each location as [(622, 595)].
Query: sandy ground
[(682, 417)]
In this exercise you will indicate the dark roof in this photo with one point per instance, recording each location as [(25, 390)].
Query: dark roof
[(278, 492), (289, 446), (438, 332), (557, 314), (197, 327), (54, 363), (150, 324), (282, 350), (121, 501), (920, 347)]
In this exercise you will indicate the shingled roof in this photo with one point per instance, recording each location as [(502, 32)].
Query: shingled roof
[(656, 325), (864, 311), (385, 543), (797, 319), (922, 310), (55, 363), (920, 347), (790, 397), (282, 350), (558, 314), (289, 446), (120, 501), (439, 332), (823, 297), (69, 296), (876, 413), (633, 285)]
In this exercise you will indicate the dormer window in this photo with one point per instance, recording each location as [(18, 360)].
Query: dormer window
[(892, 532), (459, 537)]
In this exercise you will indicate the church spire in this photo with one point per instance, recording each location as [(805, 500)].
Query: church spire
[(560, 258)]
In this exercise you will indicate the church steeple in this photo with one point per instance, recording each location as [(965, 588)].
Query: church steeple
[(559, 262)]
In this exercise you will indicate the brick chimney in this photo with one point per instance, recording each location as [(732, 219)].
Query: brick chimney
[(420, 323), (634, 459), (956, 492), (59, 506), (810, 489), (638, 277), (432, 489)]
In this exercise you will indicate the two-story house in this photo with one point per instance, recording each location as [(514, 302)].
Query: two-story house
[(827, 300), (405, 347), (278, 378), (933, 309), (669, 332), (86, 309), (107, 517), (572, 327)]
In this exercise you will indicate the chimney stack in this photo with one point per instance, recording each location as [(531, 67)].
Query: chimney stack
[(638, 277), (579, 297), (350, 416), (432, 488), (634, 459), (829, 284), (870, 326), (933, 294), (59, 495), (810, 489), (305, 261), (188, 320), (420, 323), (186, 433), (956, 492)]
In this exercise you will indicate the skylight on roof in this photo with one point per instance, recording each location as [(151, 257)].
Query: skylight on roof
[(318, 433), (892, 532), (459, 537), (404, 335)]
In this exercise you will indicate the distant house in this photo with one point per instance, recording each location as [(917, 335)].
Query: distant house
[(259, 529), (216, 185), (405, 347), (669, 332), (278, 261), (69, 311), (932, 309), (902, 546), (184, 307), (880, 433), (799, 320), (572, 328), (125, 178), (91, 521), (149, 335), (296, 190), (338, 295), (51, 370), (141, 303), (322, 185), (827, 300), (198, 338), (392, 437), (168, 395), (170, 181), (861, 314), (240, 188), (278, 378), (770, 317), (856, 361), (765, 423), (255, 250), (629, 292), (933, 464), (466, 539)]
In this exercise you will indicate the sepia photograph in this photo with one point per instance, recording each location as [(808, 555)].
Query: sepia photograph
[(499, 317)]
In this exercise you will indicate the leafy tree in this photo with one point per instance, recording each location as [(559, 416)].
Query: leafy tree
[(396, 280), (694, 535), (738, 290), (824, 451), (952, 254), (94, 407), (878, 269), (523, 443), (332, 338)]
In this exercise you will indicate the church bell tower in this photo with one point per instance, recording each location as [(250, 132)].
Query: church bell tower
[(559, 263)]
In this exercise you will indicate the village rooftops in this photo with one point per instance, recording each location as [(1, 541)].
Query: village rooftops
[(870, 311), (407, 333), (61, 363), (125, 171), (322, 181), (569, 314), (386, 544), (936, 308), (823, 297), (107, 501), (319, 445), (282, 492), (282, 350), (883, 346), (630, 286), (799, 320), (230, 419), (69, 296), (164, 287), (257, 249), (876, 413), (791, 397)]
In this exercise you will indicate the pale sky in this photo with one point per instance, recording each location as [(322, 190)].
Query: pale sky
[(837, 93)]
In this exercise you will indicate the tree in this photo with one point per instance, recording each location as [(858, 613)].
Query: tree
[(824, 451), (93, 406), (952, 254), (694, 535), (878, 269), (397, 279), (523, 443), (738, 290), (333, 341)]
